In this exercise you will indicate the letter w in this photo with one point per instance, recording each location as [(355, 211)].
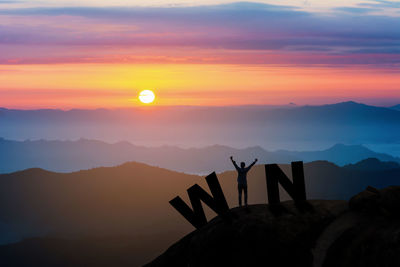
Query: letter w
[(216, 202)]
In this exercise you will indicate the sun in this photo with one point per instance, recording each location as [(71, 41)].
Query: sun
[(147, 96)]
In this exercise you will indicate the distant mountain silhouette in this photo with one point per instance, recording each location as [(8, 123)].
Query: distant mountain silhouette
[(396, 107), (373, 164), (346, 111), (236, 126), (131, 200), (341, 154), (64, 156)]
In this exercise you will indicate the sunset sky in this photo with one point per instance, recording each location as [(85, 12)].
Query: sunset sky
[(101, 54)]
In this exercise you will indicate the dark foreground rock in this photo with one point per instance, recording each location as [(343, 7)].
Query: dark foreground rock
[(374, 240), (362, 232)]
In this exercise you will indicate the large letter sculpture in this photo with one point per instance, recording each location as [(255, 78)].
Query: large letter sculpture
[(297, 189), (216, 202)]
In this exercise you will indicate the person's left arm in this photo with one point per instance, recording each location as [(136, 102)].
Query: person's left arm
[(251, 165)]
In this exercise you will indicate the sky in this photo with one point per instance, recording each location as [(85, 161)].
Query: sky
[(101, 54)]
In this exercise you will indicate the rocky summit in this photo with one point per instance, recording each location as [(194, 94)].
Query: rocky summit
[(362, 232)]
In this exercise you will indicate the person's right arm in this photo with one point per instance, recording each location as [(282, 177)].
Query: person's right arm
[(251, 165), (234, 164)]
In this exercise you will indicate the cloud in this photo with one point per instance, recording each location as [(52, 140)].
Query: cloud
[(234, 30), (357, 10), (382, 3)]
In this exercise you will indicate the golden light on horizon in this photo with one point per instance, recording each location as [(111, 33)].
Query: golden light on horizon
[(91, 86), (147, 96)]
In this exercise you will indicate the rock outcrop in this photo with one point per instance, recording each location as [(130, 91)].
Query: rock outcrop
[(362, 232)]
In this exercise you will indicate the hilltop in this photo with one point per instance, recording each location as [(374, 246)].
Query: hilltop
[(365, 233)]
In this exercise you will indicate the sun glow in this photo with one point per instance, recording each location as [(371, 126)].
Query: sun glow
[(146, 96), (91, 86)]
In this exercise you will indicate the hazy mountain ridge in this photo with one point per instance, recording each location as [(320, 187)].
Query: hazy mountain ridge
[(396, 107), (373, 164), (66, 156), (348, 111), (343, 110), (341, 154), (236, 126)]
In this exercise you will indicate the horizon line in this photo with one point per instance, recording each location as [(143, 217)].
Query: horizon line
[(155, 106)]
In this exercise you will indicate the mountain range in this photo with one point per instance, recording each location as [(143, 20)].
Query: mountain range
[(280, 127), (100, 195), (396, 107), (67, 156), (130, 201)]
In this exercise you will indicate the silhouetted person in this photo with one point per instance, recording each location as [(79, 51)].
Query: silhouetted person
[(242, 179)]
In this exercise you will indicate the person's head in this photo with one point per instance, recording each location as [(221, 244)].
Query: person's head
[(242, 164)]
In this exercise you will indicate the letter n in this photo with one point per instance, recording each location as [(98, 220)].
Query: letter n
[(216, 202), (274, 175)]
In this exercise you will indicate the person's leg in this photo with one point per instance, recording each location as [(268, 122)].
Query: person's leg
[(240, 195), (245, 194)]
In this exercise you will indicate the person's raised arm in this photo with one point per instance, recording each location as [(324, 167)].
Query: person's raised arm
[(234, 163), (251, 165)]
